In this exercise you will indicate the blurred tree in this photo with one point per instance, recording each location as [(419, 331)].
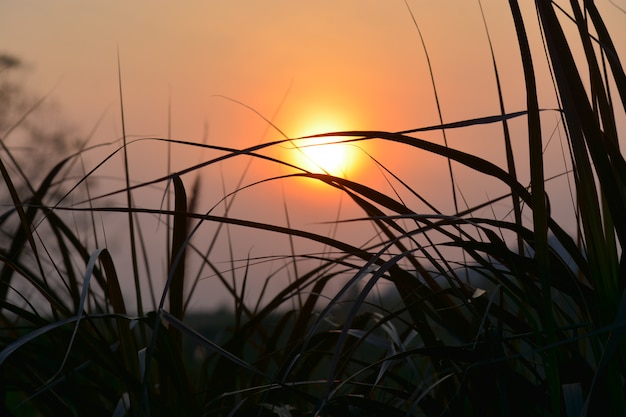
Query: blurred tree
[(33, 135)]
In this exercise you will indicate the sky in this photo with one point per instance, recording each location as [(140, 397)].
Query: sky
[(219, 72)]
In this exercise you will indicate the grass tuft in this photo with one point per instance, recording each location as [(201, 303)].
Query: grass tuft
[(443, 312)]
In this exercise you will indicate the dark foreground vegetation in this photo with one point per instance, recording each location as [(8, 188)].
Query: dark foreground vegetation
[(541, 335)]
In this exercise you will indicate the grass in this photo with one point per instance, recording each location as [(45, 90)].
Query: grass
[(525, 318)]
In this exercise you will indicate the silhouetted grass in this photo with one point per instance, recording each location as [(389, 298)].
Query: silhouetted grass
[(531, 325)]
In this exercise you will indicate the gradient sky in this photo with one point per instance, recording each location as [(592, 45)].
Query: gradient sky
[(308, 66)]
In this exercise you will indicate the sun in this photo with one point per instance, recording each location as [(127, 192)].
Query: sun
[(323, 154)]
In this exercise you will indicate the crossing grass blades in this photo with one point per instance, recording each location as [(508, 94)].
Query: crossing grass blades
[(531, 325)]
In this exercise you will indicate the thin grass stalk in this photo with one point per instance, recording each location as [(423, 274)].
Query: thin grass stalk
[(510, 160), (131, 222), (439, 112), (168, 171), (128, 347), (145, 257), (292, 247), (179, 246), (71, 281), (192, 207), (229, 243)]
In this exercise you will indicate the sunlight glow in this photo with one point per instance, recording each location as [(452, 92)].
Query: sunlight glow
[(323, 154)]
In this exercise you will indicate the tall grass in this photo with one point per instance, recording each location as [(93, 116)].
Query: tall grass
[(532, 325)]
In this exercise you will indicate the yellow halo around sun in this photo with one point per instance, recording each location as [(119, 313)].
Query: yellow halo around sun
[(325, 154)]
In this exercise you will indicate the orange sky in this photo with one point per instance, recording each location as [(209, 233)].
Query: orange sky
[(355, 64)]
